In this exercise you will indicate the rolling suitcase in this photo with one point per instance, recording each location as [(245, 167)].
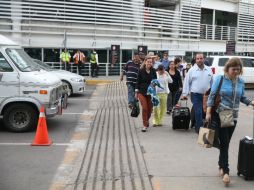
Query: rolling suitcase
[(245, 164), (181, 117)]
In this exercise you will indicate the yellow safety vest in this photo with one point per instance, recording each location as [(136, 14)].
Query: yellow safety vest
[(65, 57)]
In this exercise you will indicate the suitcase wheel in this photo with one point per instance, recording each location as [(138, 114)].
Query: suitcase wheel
[(238, 173), (246, 178)]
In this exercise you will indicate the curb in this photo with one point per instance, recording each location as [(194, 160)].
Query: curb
[(98, 82)]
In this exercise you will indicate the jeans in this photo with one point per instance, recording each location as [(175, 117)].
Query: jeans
[(131, 94), (224, 135), (171, 100), (197, 101), (160, 110), (147, 108)]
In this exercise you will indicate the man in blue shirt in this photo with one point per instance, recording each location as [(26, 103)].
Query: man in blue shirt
[(197, 81), (165, 61), (131, 71)]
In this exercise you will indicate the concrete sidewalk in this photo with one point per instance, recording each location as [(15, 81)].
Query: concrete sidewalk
[(117, 155)]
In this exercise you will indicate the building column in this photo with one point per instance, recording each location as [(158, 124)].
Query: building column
[(214, 12), (16, 14)]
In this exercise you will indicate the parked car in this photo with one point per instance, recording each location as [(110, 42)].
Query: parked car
[(217, 64), (75, 82), (24, 88)]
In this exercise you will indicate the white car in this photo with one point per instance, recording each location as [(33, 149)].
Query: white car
[(75, 82), (217, 64)]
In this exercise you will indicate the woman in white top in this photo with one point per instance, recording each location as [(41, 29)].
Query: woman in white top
[(159, 111)]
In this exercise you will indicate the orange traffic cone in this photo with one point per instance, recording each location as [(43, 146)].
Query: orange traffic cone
[(41, 136)]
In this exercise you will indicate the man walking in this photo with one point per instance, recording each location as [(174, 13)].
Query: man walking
[(79, 59), (65, 58), (131, 70), (197, 81)]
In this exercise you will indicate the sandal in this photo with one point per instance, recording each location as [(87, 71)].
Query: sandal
[(226, 179)]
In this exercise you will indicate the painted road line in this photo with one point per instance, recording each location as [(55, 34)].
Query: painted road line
[(26, 144)]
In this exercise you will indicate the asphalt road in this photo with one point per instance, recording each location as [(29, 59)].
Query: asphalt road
[(24, 167)]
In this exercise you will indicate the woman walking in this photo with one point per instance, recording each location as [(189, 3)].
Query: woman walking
[(174, 87), (146, 74), (231, 93), (159, 111)]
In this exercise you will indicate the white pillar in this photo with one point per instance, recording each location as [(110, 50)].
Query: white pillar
[(213, 24), (16, 14)]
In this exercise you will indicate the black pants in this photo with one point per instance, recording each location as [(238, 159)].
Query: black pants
[(80, 67), (66, 66), (224, 135), (94, 68), (171, 100)]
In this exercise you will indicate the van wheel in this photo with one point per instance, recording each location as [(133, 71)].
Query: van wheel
[(69, 86), (20, 118)]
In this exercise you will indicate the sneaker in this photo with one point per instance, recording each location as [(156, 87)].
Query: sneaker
[(226, 179), (130, 106), (168, 112), (144, 129)]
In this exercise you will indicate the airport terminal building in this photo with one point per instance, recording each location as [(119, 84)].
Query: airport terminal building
[(181, 27)]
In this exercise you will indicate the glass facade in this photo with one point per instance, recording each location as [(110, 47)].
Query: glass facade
[(35, 53), (51, 55)]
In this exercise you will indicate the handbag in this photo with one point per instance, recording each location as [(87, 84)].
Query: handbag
[(226, 116), (135, 109), (206, 136), (216, 100)]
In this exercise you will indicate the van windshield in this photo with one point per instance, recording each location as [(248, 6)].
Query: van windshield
[(43, 66), (22, 60)]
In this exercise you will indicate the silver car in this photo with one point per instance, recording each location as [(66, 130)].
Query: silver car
[(75, 82)]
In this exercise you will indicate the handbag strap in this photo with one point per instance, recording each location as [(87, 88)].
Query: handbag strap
[(219, 87), (234, 93)]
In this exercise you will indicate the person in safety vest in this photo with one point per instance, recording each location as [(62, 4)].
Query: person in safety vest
[(79, 59), (94, 64), (65, 58)]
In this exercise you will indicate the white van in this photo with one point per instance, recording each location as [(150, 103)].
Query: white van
[(24, 88), (217, 64)]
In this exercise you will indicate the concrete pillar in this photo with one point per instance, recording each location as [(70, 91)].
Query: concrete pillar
[(139, 18), (214, 12), (16, 14)]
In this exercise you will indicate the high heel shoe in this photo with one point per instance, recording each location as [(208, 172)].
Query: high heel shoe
[(226, 179)]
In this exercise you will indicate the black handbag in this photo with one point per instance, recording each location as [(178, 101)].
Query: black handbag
[(135, 110)]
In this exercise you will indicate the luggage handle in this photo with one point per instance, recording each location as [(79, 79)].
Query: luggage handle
[(186, 100), (253, 127)]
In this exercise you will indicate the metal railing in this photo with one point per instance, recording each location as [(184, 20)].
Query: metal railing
[(215, 32), (105, 69)]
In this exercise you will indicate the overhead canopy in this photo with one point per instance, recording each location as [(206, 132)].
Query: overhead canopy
[(6, 41)]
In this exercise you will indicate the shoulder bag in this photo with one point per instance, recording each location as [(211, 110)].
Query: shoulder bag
[(226, 116)]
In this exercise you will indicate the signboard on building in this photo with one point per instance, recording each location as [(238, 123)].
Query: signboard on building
[(142, 49), (115, 54), (230, 47)]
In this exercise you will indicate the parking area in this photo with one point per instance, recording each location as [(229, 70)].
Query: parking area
[(25, 167)]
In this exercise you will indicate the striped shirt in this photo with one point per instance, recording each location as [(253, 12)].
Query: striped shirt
[(131, 71)]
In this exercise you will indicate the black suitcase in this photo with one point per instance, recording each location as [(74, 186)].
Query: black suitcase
[(245, 164), (181, 118)]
